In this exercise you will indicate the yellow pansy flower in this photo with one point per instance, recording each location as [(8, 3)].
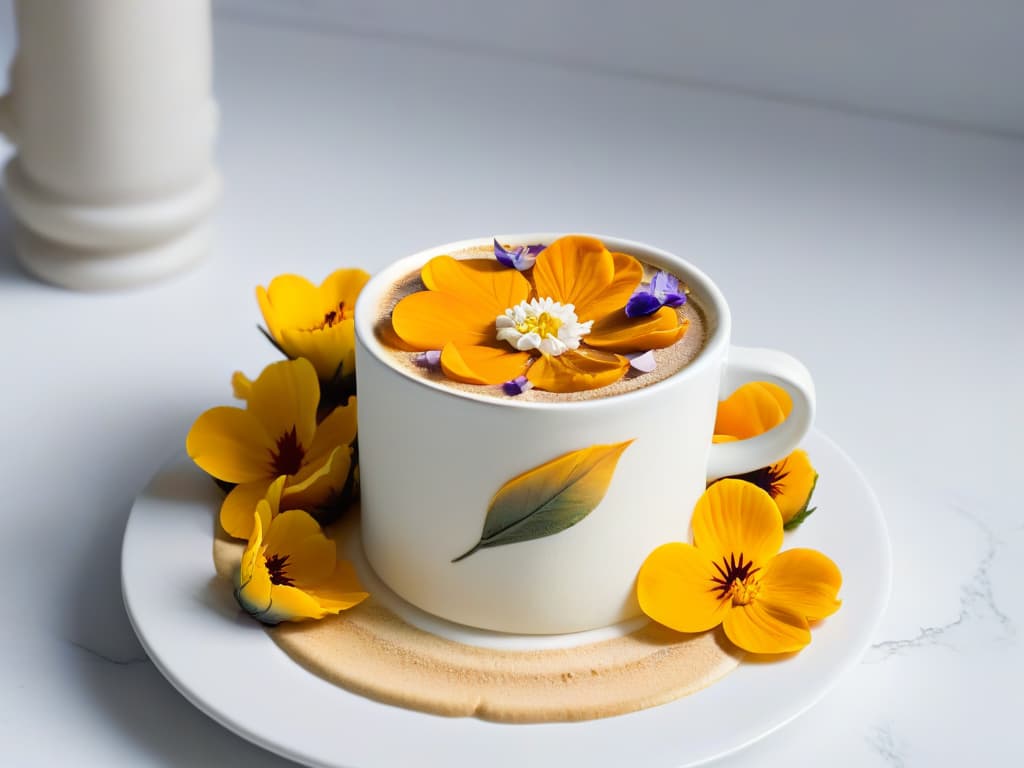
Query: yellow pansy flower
[(275, 435), (564, 326), (734, 575), (290, 570), (315, 322)]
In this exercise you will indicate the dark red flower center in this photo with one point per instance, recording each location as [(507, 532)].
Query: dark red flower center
[(333, 317), (733, 575), (768, 479), (276, 565), (287, 459)]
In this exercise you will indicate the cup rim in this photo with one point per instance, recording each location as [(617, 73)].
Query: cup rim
[(708, 296)]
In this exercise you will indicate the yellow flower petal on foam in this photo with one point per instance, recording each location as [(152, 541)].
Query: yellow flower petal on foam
[(230, 444), (577, 370), (495, 286), (625, 334), (762, 628), (734, 517), (752, 409), (429, 320), (673, 588), (803, 581), (576, 270), (481, 365), (284, 397)]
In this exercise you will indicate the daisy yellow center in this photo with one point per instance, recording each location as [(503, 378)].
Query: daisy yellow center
[(736, 579), (544, 325)]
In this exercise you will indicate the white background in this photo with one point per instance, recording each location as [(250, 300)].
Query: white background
[(851, 176)]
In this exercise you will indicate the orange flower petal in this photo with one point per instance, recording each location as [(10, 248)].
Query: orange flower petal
[(231, 444), (285, 397), (429, 320), (674, 587), (486, 281), (802, 581), (762, 628), (482, 365), (734, 517), (387, 336), (575, 270), (577, 370), (629, 273), (752, 409), (796, 484), (618, 332)]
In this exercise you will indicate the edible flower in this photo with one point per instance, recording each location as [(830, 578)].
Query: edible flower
[(275, 435), (431, 359), (563, 327), (290, 570), (315, 322), (755, 408), (663, 292), (521, 258), (516, 386), (734, 575)]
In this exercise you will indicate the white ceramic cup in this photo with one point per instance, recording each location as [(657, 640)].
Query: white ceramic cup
[(432, 458)]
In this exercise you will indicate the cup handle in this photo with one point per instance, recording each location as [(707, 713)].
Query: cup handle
[(746, 364)]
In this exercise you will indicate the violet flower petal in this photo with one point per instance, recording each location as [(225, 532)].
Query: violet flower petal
[(641, 304), (431, 359), (674, 299), (536, 248), (517, 386), (663, 284), (642, 361), (520, 258)]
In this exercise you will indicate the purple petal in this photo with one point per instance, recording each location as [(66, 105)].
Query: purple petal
[(641, 304), (517, 386), (675, 299), (505, 257), (533, 250), (431, 359), (524, 260), (663, 284), (643, 361)]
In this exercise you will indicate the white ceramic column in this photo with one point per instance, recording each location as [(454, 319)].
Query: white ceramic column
[(110, 107)]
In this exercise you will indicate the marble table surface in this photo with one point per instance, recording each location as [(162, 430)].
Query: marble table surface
[(887, 255)]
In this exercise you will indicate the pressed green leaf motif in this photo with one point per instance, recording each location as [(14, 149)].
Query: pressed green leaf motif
[(550, 498)]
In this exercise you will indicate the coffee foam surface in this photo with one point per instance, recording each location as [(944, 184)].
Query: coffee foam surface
[(668, 361)]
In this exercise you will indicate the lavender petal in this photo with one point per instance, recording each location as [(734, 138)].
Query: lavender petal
[(506, 257), (675, 299), (516, 386), (431, 359), (641, 304), (663, 284), (524, 260), (642, 361)]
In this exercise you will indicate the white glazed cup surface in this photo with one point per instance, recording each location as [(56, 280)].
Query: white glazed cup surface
[(432, 458)]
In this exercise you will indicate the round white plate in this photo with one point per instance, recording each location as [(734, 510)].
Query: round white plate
[(225, 664)]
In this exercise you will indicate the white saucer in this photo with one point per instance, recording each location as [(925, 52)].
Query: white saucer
[(226, 665)]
